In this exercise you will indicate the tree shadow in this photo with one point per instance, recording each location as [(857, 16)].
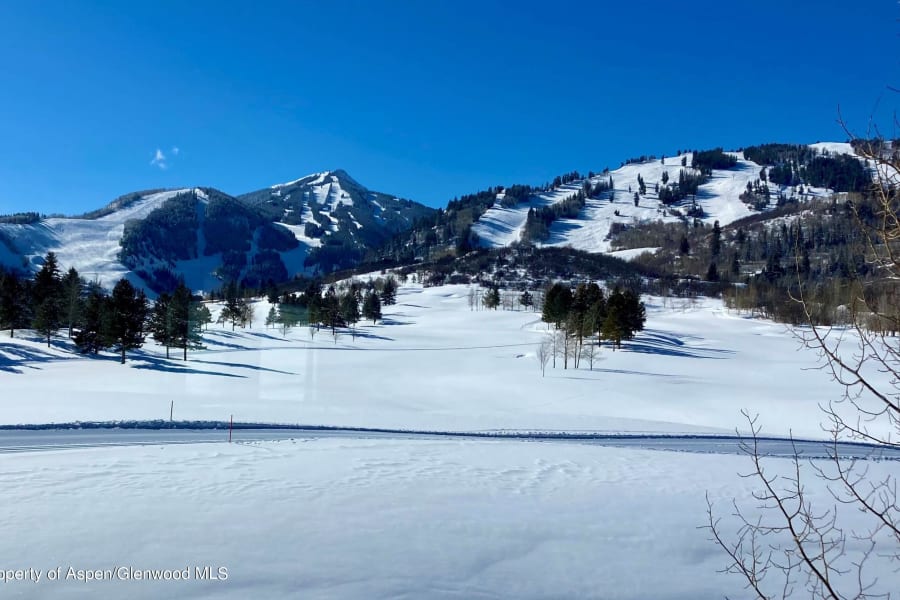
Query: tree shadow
[(150, 363), (561, 228), (663, 350), (615, 372), (210, 342), (391, 321), (267, 336), (13, 356), (240, 366), (370, 336)]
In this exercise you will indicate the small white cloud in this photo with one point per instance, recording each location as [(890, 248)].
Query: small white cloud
[(175, 150), (159, 160)]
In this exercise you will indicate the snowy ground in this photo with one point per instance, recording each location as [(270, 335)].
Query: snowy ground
[(434, 364), (374, 519), (345, 517)]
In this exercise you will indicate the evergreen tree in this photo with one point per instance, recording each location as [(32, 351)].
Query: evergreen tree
[(635, 314), (372, 306), (46, 319), (389, 291), (12, 303), (233, 309), (92, 336), (47, 281), (331, 310), (186, 320), (613, 325), (557, 302), (491, 298), (350, 308), (290, 315), (735, 265), (160, 325), (716, 242), (272, 317), (204, 316), (127, 313), (526, 299), (712, 273), (47, 297), (72, 287)]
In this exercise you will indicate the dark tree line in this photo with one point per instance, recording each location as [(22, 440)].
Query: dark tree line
[(538, 221), (587, 312), (794, 165), (94, 319), (317, 306)]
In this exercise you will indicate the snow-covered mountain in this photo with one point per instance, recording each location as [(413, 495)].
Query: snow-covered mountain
[(322, 221), (719, 198), (91, 245), (327, 220), (335, 214)]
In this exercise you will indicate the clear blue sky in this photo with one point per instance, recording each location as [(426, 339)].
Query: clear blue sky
[(426, 100)]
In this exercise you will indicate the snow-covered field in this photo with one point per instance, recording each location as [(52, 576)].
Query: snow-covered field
[(372, 519), (403, 518), (434, 364)]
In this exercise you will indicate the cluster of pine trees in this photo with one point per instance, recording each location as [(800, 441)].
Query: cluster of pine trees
[(707, 160), (793, 165), (96, 320), (332, 308), (688, 184), (588, 312), (538, 221), (22, 218)]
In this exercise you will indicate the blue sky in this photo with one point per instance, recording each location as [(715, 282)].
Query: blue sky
[(426, 100)]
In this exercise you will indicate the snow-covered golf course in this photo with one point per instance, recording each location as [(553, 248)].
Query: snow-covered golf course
[(394, 517)]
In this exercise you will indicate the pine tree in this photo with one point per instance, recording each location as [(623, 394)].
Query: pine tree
[(92, 336), (735, 265), (389, 291), (204, 316), (232, 311), (72, 298), (613, 325), (331, 310), (372, 306), (272, 317), (47, 281), (491, 299), (127, 313), (350, 308), (186, 320), (526, 299), (712, 273), (160, 326), (716, 243), (46, 318), (47, 297), (12, 303), (557, 302)]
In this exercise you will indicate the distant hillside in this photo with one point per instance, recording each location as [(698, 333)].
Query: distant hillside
[(585, 211), (314, 224)]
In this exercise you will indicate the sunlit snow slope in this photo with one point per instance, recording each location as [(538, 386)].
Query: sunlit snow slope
[(89, 245), (719, 198)]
